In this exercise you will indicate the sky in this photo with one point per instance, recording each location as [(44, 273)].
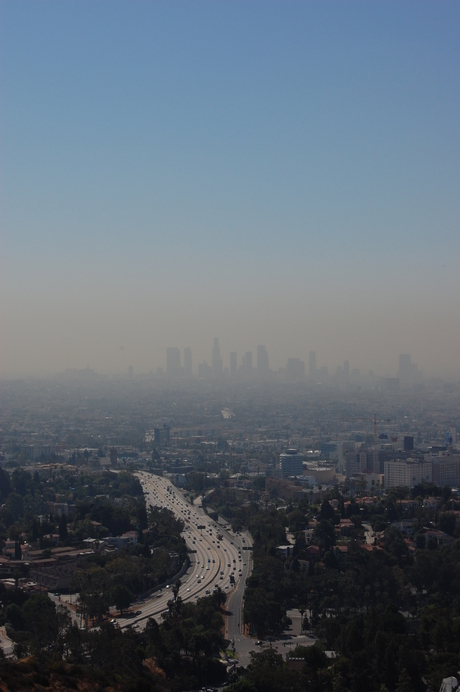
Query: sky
[(281, 173)]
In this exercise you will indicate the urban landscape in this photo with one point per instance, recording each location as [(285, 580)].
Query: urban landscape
[(271, 514), (229, 346)]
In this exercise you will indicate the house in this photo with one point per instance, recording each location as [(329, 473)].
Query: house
[(123, 541), (284, 550), (440, 537), (346, 527), (431, 503), (405, 526)]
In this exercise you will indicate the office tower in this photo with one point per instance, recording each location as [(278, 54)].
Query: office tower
[(408, 443), (262, 361), (291, 463), (295, 369), (407, 473), (346, 370), (233, 365), (405, 368), (246, 366), (172, 361), (187, 361), (130, 372), (162, 434), (217, 368), (312, 366)]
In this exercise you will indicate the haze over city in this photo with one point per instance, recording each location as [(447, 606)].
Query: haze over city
[(268, 173)]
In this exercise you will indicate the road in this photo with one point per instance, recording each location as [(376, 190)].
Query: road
[(216, 553)]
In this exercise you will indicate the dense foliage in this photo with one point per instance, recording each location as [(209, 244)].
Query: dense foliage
[(389, 612), (179, 653)]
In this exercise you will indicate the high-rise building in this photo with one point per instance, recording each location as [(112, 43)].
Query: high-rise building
[(162, 434), (312, 366), (407, 473), (217, 368), (408, 443), (291, 463), (187, 361), (346, 370), (233, 364), (172, 361), (446, 469), (262, 361)]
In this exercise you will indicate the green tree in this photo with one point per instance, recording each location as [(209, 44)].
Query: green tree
[(176, 588), (5, 485), (63, 533), (447, 523), (17, 551), (15, 504), (122, 597), (41, 621)]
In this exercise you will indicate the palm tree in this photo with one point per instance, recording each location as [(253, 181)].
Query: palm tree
[(301, 611), (176, 588)]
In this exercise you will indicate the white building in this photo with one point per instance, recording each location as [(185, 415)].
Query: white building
[(407, 473)]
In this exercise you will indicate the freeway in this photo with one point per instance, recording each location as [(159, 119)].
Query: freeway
[(216, 554)]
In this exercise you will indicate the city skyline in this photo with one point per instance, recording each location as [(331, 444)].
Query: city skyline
[(180, 363), (282, 174), (407, 372)]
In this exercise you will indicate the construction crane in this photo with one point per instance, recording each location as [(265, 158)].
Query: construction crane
[(373, 420), (376, 420)]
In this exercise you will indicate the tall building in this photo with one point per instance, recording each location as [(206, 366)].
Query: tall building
[(217, 368), (262, 361), (446, 469), (172, 361), (233, 364), (346, 370), (187, 361), (162, 434), (407, 473), (405, 368), (312, 366), (291, 463)]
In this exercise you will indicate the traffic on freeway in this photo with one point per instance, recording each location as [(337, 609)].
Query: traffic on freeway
[(218, 557)]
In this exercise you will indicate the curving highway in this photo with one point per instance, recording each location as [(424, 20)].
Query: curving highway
[(217, 557)]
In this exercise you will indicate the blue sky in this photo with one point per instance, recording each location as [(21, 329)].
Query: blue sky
[(260, 171)]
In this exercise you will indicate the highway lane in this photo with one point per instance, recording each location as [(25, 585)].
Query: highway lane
[(216, 553), (235, 603)]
